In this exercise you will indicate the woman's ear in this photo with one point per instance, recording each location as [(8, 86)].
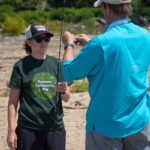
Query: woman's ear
[(29, 42)]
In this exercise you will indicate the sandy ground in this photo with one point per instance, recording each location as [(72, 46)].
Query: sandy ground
[(74, 111)]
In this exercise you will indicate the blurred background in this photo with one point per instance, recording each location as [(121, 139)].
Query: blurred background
[(78, 15)]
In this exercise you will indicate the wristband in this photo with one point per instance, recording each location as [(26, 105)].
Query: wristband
[(68, 44)]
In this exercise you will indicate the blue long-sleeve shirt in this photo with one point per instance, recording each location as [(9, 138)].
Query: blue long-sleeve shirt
[(116, 65)]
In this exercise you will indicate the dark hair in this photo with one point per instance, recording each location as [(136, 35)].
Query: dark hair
[(121, 9), (27, 48)]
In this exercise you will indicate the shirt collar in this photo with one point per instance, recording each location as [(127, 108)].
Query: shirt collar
[(118, 21)]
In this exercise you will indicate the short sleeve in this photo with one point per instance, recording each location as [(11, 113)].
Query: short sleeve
[(15, 79)]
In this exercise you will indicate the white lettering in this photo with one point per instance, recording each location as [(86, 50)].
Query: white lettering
[(44, 84)]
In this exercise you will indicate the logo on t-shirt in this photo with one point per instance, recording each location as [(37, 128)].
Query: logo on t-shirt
[(43, 84)]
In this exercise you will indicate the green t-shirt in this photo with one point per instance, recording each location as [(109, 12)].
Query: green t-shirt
[(36, 79)]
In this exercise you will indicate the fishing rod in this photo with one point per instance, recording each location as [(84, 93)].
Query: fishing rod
[(61, 27), (54, 103), (60, 40)]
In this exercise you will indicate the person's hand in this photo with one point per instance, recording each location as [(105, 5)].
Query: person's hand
[(12, 140), (67, 37), (64, 90), (81, 39), (61, 87)]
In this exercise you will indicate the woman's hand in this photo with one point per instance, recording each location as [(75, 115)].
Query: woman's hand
[(64, 90), (61, 87), (12, 140)]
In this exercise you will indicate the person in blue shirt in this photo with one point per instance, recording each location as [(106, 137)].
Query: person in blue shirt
[(116, 65)]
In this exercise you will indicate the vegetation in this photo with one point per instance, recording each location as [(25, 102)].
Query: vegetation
[(76, 20), (43, 4), (79, 86), (13, 25), (6, 91), (79, 16)]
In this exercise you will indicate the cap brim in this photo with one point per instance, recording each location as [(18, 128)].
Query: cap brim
[(97, 3), (43, 32), (50, 34)]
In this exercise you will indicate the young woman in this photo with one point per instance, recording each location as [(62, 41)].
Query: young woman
[(38, 87)]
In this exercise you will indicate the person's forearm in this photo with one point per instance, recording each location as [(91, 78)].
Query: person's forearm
[(12, 108), (68, 54), (12, 111)]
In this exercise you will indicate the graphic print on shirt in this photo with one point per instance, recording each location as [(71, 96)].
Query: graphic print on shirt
[(43, 84)]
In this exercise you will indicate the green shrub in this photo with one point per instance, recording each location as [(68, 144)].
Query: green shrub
[(56, 13), (76, 20), (79, 86), (4, 11), (30, 16), (145, 11), (69, 14), (13, 25), (53, 26), (97, 12), (82, 14), (35, 16)]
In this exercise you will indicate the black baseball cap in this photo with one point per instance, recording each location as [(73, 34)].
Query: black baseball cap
[(35, 30)]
